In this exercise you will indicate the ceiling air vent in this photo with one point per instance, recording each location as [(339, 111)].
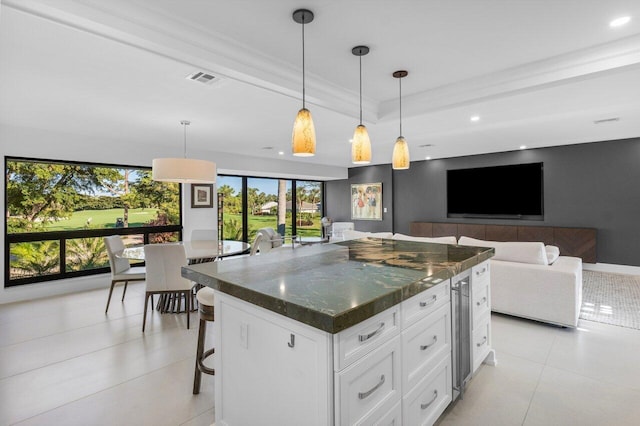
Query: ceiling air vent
[(203, 77)]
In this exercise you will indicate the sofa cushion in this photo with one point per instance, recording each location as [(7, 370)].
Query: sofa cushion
[(440, 240), (512, 251), (352, 234), (553, 253)]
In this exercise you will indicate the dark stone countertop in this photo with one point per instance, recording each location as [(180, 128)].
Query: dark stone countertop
[(335, 286)]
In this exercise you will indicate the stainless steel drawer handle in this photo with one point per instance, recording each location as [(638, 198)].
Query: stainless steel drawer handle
[(363, 395), (481, 272), (425, 347), (365, 337), (430, 302), (484, 340), (427, 404), (482, 301)]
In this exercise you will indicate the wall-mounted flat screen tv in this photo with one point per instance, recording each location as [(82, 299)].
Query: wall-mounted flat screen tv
[(509, 192)]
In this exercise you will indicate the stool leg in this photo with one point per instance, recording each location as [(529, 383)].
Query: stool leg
[(197, 377)]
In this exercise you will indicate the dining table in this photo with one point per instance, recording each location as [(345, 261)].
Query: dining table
[(197, 251)]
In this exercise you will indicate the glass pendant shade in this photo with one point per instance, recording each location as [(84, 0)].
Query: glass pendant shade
[(361, 146), (303, 141), (400, 159), (183, 170)]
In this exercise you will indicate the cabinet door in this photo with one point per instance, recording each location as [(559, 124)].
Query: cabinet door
[(481, 342), (259, 365), (369, 387), (428, 400), (423, 345)]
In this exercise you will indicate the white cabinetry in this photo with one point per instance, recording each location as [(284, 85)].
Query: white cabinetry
[(263, 376), (481, 316), (426, 355), (394, 368)]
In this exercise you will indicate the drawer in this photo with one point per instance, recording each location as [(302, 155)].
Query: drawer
[(481, 342), (423, 345), (422, 304), (481, 302), (481, 273), (424, 404), (354, 342), (369, 387)]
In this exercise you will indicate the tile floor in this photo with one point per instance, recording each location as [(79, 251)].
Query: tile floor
[(63, 362)]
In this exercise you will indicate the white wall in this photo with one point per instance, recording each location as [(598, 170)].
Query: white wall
[(37, 143)]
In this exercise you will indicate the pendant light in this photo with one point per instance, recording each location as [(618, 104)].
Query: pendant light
[(183, 170), (400, 160), (303, 141), (361, 145)]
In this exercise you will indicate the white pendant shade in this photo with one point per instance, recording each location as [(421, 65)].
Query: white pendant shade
[(303, 141), (400, 159), (183, 170), (361, 146)]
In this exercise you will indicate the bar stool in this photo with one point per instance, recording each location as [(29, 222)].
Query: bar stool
[(205, 300)]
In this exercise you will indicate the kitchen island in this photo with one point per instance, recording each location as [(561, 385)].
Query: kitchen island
[(324, 334)]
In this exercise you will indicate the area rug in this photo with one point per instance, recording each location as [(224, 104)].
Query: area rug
[(611, 298)]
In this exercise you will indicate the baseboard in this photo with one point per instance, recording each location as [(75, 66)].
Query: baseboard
[(612, 268)]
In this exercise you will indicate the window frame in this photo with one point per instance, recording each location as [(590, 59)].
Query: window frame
[(63, 236), (294, 208)]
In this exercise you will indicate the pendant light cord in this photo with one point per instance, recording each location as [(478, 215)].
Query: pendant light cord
[(303, 76), (400, 82), (185, 123), (361, 90)]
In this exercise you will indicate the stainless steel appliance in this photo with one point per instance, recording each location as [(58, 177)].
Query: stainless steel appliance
[(461, 329)]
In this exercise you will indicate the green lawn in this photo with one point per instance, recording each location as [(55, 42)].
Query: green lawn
[(263, 221), (102, 219)]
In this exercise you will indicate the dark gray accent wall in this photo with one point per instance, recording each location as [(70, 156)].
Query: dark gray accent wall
[(594, 185), (338, 199)]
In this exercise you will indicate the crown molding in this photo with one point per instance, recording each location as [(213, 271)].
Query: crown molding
[(562, 69)]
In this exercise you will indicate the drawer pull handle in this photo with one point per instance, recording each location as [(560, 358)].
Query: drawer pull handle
[(363, 395), (292, 341), (365, 337), (482, 301), (478, 273), (425, 347), (427, 404), (430, 302), (484, 340)]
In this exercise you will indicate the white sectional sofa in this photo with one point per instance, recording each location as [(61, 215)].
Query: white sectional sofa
[(528, 279), (531, 280)]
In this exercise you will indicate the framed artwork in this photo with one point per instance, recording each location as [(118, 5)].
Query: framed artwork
[(201, 195), (366, 201)]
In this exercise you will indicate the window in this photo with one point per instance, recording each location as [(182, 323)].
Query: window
[(57, 214), (291, 207)]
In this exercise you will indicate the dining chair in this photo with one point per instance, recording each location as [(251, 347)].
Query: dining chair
[(164, 263), (275, 240), (337, 228), (121, 270), (259, 245), (204, 235)]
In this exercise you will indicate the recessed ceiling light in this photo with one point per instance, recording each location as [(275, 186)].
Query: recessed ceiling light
[(618, 22), (475, 118), (280, 152), (427, 158), (350, 140), (523, 147)]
